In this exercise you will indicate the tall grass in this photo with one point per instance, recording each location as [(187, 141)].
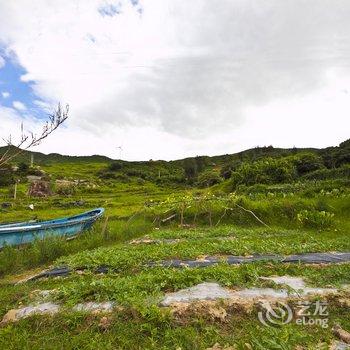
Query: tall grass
[(17, 259), (243, 211)]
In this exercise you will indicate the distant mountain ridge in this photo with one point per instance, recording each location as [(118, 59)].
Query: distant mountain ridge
[(249, 154), (41, 158)]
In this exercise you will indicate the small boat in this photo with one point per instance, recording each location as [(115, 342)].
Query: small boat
[(26, 232)]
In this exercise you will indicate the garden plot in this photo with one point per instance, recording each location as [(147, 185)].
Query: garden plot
[(220, 299)]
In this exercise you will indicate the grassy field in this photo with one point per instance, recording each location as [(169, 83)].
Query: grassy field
[(150, 222)]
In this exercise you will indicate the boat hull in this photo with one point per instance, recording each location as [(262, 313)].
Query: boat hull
[(23, 233)]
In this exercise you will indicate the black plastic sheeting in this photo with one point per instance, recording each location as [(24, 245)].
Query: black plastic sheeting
[(306, 258), (63, 271), (56, 272)]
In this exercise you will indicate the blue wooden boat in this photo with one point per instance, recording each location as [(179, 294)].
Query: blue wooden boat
[(26, 232)]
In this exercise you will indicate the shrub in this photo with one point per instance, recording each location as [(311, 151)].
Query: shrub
[(23, 168), (36, 172), (267, 171), (325, 174), (106, 175), (208, 178), (66, 190), (335, 157), (133, 172), (315, 219), (6, 176), (226, 171), (345, 144), (122, 178), (190, 169), (307, 162), (115, 166)]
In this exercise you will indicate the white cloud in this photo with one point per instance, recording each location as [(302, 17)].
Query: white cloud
[(5, 94), (11, 121), (19, 105), (200, 74), (45, 106), (2, 62)]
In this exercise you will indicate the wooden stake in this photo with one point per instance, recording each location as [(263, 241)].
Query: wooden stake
[(104, 228)]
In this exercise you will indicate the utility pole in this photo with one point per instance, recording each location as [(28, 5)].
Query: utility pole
[(31, 160)]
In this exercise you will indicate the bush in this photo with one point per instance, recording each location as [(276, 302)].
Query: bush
[(315, 219), (115, 166), (121, 178), (227, 169), (106, 175), (36, 172), (307, 162), (325, 174), (6, 176), (133, 172), (335, 157), (208, 178), (267, 171), (190, 169), (23, 168), (66, 190)]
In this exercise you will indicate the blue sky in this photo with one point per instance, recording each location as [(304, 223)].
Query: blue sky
[(14, 91)]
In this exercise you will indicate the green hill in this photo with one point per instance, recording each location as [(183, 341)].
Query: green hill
[(263, 165)]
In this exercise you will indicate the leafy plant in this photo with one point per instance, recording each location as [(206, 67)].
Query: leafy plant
[(315, 219)]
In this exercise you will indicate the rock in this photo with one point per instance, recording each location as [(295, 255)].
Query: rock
[(38, 294), (79, 203), (338, 345), (341, 334), (39, 189), (33, 178), (203, 291), (65, 182), (40, 309), (105, 323), (10, 316), (95, 307), (5, 205)]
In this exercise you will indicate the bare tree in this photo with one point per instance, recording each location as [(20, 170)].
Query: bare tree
[(29, 139)]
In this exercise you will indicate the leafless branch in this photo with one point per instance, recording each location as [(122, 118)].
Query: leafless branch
[(29, 139), (251, 212)]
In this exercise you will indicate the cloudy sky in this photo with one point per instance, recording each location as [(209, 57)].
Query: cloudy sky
[(166, 79)]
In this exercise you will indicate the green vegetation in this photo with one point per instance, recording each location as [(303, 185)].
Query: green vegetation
[(260, 201)]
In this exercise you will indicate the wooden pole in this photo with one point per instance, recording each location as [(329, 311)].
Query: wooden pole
[(104, 228), (15, 192)]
